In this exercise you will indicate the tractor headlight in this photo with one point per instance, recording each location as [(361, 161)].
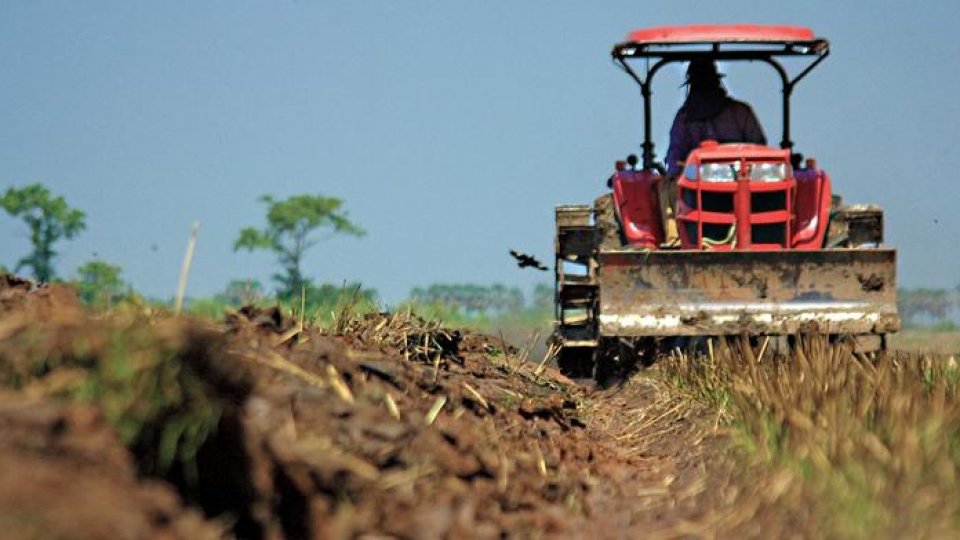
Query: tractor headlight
[(769, 172), (719, 172)]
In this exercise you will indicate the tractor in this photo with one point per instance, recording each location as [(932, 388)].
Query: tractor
[(749, 240)]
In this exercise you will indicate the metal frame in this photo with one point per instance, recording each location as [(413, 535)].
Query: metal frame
[(665, 53)]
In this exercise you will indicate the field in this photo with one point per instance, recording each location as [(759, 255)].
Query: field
[(133, 423), (928, 341)]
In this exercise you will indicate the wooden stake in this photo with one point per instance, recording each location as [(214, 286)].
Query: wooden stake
[(185, 268)]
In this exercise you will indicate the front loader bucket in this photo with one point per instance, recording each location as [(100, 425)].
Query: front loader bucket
[(695, 293)]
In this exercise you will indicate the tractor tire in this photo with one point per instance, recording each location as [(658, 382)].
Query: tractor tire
[(619, 359), (577, 363), (609, 232)]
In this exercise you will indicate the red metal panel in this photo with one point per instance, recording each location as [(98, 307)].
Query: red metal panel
[(741, 209), (777, 216), (634, 193), (722, 33), (727, 151), (710, 217), (759, 187), (812, 208), (716, 187)]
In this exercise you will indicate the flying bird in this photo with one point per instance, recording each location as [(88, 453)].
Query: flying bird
[(524, 260)]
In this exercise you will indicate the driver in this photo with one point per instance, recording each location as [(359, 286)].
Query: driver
[(709, 114)]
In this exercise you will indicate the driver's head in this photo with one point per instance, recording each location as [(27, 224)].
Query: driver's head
[(702, 72)]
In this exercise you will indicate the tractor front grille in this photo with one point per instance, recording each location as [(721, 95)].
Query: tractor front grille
[(768, 201), (713, 233), (769, 233), (717, 202), (721, 203), (736, 215)]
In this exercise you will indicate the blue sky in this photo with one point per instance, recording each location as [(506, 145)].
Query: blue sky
[(451, 129)]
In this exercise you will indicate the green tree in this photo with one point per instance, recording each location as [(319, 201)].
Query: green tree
[(241, 292), (99, 284), (290, 230), (327, 295), (471, 300), (49, 219), (542, 297), (917, 304)]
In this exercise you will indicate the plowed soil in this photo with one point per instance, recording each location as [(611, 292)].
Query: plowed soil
[(385, 426)]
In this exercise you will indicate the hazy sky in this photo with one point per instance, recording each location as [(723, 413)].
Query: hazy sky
[(450, 128)]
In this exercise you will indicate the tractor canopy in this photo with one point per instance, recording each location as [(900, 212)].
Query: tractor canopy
[(724, 42), (790, 39)]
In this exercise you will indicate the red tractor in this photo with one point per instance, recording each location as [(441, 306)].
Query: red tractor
[(748, 239)]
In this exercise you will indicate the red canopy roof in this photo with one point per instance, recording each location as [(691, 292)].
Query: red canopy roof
[(721, 33)]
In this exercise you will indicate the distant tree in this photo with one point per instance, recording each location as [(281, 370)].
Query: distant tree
[(327, 295), (471, 300), (931, 303), (49, 218), (99, 284), (453, 296), (240, 292), (543, 297), (291, 225), (502, 299)]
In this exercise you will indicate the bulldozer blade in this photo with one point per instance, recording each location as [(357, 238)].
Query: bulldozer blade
[(690, 293)]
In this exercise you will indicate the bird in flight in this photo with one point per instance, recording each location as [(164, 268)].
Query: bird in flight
[(524, 260)]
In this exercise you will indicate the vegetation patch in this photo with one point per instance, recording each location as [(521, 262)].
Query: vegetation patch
[(837, 444)]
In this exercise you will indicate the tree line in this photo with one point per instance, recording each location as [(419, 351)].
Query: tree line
[(929, 307), (472, 300), (292, 228)]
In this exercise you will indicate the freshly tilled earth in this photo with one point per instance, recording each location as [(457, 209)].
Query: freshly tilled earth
[(384, 426)]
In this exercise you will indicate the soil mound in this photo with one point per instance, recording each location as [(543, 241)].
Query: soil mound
[(381, 425), (64, 474), (28, 299)]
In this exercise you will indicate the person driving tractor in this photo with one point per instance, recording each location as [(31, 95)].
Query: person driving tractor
[(709, 114)]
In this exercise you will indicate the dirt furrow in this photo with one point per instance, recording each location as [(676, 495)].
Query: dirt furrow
[(383, 426)]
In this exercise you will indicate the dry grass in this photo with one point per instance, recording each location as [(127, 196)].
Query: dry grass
[(835, 444)]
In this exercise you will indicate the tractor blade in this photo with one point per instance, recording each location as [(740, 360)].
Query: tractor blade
[(687, 293)]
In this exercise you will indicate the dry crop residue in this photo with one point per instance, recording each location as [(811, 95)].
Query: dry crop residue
[(392, 426)]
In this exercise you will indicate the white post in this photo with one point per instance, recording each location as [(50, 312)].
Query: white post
[(185, 269)]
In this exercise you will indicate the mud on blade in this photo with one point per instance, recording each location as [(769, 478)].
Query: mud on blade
[(674, 293)]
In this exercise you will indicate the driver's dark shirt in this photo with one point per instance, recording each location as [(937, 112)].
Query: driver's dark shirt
[(735, 123)]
